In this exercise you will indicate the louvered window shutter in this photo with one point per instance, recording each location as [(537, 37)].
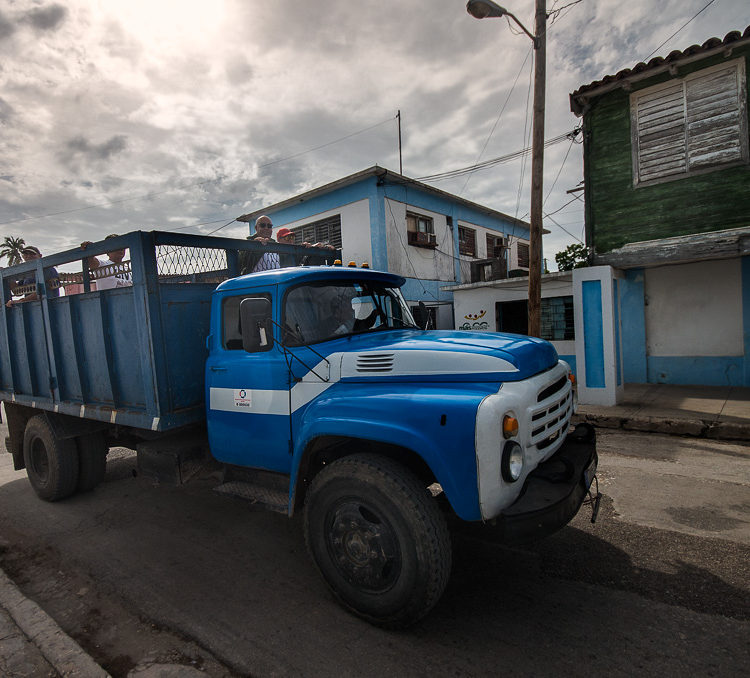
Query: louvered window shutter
[(713, 119), (694, 123), (661, 133)]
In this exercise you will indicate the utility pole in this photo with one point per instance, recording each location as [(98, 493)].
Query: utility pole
[(484, 9), (400, 164), (537, 172)]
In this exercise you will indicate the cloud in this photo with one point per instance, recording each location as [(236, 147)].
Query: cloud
[(6, 27), (183, 103), (238, 70), (6, 111), (46, 18), (80, 150)]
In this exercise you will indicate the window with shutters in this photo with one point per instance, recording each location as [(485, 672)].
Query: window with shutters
[(496, 246), (688, 125), (467, 241), (324, 231), (523, 255), (420, 231)]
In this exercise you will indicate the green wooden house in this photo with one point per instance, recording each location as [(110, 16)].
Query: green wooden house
[(667, 192)]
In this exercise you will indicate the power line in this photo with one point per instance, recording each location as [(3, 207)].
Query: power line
[(711, 2), (450, 174), (559, 172), (547, 216), (194, 184), (525, 137), (499, 115)]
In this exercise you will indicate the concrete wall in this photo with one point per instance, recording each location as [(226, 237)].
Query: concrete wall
[(688, 323), (694, 309), (355, 229), (481, 248), (474, 308), (418, 262), (373, 229)]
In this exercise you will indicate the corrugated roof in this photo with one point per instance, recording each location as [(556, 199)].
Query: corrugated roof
[(652, 67)]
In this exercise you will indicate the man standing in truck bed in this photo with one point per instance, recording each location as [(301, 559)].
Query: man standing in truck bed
[(119, 273), (29, 253)]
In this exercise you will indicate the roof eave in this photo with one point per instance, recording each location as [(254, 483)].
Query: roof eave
[(642, 71), (379, 172)]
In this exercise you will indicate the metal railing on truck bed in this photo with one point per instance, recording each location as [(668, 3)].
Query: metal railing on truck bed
[(131, 355)]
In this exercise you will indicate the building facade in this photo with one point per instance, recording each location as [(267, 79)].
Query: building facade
[(400, 225), (667, 188)]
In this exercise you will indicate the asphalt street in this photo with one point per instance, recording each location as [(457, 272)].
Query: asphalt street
[(660, 585)]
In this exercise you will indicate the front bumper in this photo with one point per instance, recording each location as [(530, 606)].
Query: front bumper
[(551, 495)]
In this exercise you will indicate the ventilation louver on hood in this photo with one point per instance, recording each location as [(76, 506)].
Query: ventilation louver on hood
[(375, 362)]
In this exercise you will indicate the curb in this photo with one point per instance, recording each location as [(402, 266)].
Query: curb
[(695, 428), (57, 647)]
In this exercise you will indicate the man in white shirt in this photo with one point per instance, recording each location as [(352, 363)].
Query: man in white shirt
[(119, 274)]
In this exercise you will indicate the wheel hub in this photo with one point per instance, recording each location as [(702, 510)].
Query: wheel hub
[(364, 547), (39, 460)]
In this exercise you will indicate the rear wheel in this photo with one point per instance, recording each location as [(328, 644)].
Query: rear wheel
[(378, 538), (51, 462), (92, 460)]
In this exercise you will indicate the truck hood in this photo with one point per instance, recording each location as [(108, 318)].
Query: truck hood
[(445, 355)]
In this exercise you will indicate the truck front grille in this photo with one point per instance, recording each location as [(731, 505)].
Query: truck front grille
[(551, 419)]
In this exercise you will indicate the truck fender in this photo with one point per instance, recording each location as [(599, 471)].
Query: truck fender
[(396, 434), (65, 426)]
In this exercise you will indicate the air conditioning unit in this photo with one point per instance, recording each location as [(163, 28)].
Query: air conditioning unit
[(421, 239)]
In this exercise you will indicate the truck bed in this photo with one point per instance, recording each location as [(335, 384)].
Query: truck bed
[(133, 355)]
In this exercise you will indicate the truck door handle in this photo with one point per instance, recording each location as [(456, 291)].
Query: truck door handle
[(215, 368)]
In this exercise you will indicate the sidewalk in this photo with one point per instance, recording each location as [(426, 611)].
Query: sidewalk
[(719, 412), (33, 645)]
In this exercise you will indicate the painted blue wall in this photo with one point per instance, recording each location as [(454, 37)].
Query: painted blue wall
[(632, 300), (376, 191), (640, 368), (593, 331), (571, 360), (746, 316)]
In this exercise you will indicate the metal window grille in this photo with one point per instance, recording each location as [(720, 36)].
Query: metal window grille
[(467, 241), (178, 264), (326, 230)]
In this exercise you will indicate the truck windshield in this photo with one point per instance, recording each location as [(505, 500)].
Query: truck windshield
[(321, 311)]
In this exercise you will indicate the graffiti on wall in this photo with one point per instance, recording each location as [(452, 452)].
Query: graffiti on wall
[(474, 321)]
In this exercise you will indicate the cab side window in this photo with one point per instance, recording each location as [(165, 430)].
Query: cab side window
[(231, 333)]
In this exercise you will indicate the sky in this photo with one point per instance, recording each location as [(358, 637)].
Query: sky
[(180, 115)]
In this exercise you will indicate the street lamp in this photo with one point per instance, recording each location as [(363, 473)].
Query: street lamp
[(486, 9)]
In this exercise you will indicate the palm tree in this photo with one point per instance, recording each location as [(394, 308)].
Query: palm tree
[(11, 249)]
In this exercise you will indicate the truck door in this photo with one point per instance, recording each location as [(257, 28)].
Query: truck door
[(247, 397)]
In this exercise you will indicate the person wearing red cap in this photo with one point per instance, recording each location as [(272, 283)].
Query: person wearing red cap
[(286, 237)]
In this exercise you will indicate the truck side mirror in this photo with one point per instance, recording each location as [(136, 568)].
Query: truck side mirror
[(256, 324)]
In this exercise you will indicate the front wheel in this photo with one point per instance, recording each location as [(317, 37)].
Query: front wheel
[(378, 538)]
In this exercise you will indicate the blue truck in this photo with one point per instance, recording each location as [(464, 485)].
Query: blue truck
[(311, 388)]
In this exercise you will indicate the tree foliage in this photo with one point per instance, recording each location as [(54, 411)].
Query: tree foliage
[(573, 256), (11, 249)]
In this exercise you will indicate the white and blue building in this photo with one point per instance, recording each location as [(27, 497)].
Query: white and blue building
[(432, 238)]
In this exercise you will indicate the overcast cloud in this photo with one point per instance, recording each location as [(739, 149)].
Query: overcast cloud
[(187, 105)]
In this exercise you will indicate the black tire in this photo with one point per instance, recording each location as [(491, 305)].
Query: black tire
[(92, 460), (51, 462), (378, 539)]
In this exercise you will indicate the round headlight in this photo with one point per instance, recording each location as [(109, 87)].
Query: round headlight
[(512, 462)]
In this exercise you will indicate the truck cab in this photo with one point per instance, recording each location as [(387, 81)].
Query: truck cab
[(322, 372)]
